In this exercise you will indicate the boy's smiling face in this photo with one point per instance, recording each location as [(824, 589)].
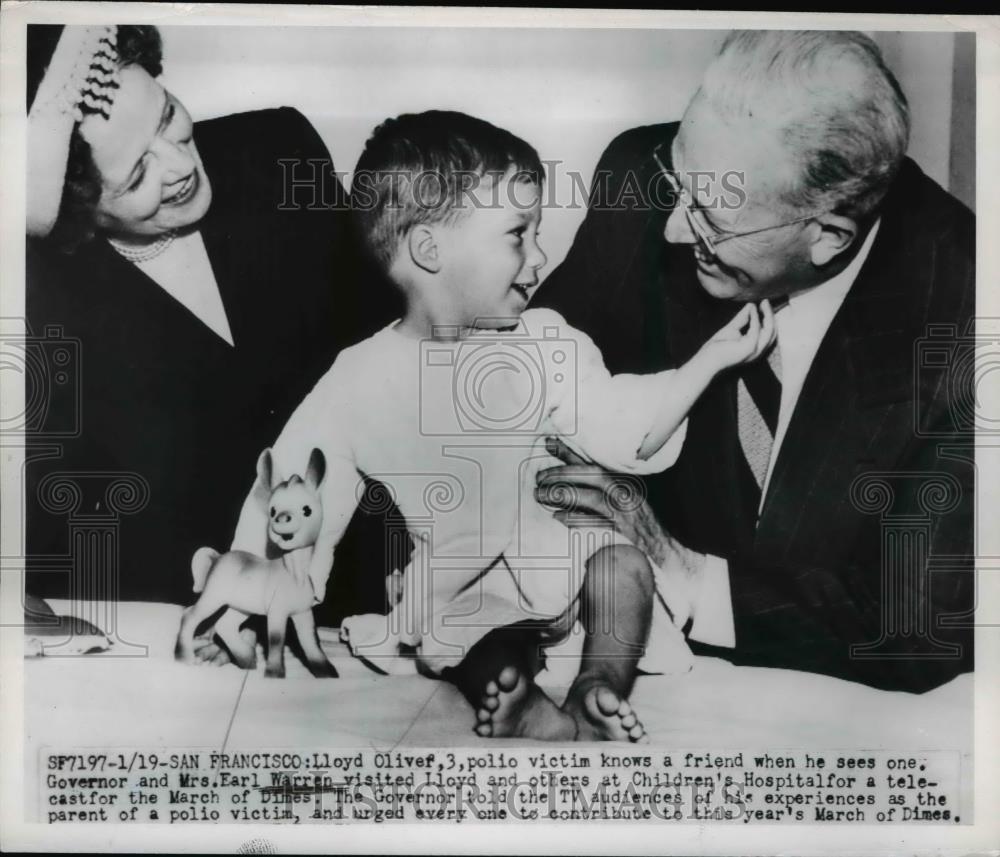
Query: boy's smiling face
[(491, 254)]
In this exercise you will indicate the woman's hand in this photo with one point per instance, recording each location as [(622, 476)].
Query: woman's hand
[(369, 633), (208, 651), (371, 639), (227, 642)]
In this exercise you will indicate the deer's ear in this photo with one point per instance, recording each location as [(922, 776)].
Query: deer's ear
[(316, 469), (265, 469)]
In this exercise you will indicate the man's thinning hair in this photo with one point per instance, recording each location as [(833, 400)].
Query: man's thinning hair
[(835, 106), (421, 167)]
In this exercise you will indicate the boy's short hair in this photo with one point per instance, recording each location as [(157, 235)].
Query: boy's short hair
[(418, 168)]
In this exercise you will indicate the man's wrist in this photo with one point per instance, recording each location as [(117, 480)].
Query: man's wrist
[(662, 548), (694, 562), (711, 608), (649, 536)]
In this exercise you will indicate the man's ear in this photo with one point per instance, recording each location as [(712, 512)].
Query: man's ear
[(837, 234), (422, 245)]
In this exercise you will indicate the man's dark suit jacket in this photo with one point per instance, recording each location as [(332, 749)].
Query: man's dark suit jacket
[(163, 397), (875, 472)]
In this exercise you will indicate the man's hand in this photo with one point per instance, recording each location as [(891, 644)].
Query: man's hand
[(585, 494)]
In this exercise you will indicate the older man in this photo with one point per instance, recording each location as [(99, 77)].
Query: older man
[(822, 508)]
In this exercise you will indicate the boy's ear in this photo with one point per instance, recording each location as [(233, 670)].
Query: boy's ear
[(422, 245)]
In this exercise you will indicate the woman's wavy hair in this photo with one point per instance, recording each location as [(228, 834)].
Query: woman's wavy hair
[(137, 45)]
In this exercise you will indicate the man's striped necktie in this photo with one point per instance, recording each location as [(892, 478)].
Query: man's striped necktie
[(758, 398)]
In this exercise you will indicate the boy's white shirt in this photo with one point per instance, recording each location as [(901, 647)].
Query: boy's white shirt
[(376, 411)]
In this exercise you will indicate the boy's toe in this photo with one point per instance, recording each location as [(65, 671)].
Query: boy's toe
[(608, 702), (508, 678)]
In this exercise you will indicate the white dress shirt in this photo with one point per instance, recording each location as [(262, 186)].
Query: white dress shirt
[(801, 326)]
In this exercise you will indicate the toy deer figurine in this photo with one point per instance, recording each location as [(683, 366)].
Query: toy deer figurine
[(277, 588)]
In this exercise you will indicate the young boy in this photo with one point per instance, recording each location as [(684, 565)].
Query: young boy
[(450, 407)]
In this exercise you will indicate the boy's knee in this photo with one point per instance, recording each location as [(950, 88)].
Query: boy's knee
[(622, 564)]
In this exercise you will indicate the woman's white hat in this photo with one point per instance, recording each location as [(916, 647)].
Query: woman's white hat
[(81, 78)]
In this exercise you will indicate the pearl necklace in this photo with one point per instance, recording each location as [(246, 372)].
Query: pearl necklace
[(144, 253)]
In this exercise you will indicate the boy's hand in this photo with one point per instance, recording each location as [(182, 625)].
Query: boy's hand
[(744, 339)]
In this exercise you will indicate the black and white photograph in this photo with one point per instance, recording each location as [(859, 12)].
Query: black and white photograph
[(321, 349)]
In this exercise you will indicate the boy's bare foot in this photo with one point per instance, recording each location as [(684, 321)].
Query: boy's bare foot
[(602, 715), (514, 706)]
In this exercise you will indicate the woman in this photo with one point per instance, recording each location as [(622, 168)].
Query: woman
[(199, 303)]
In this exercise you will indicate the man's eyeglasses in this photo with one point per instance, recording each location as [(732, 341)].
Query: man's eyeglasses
[(708, 237)]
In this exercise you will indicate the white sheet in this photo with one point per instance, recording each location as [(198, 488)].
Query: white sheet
[(128, 698)]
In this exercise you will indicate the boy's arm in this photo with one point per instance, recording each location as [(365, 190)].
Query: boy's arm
[(251, 528), (322, 422), (339, 494), (679, 391), (635, 423), (745, 338), (290, 454), (319, 422), (602, 417)]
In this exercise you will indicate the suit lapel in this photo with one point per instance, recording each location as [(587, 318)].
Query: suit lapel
[(238, 229), (221, 230), (861, 367), (223, 256), (152, 312)]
